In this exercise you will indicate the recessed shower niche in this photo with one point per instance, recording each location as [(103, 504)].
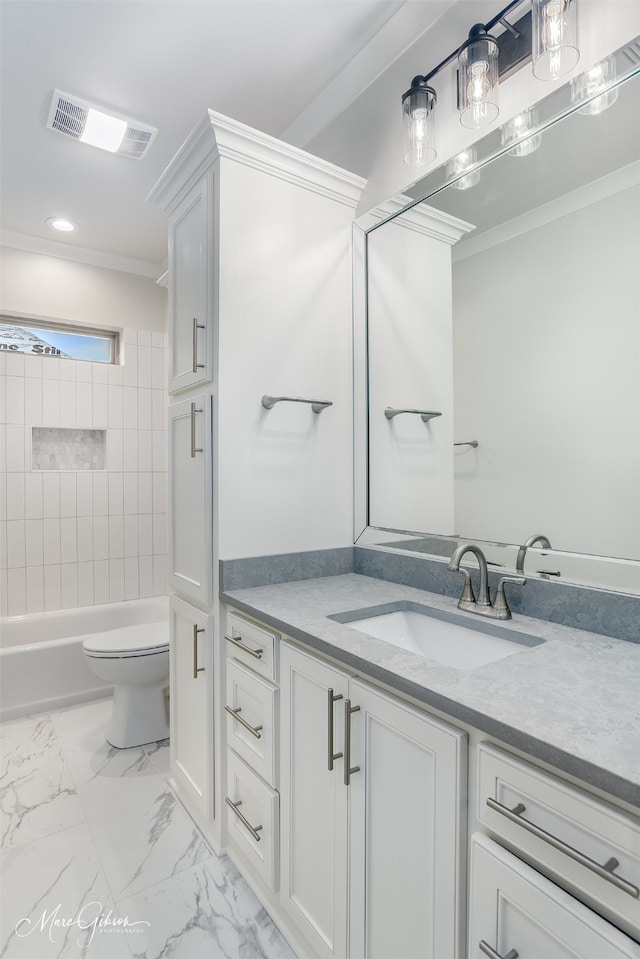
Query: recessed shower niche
[(67, 449)]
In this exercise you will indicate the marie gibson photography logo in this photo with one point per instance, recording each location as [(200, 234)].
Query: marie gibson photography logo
[(91, 917)]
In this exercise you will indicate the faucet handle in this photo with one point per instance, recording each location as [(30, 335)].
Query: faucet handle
[(500, 604), (468, 599)]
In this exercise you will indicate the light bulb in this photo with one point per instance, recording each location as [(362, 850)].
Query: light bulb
[(518, 132), (591, 82), (458, 164), (554, 42)]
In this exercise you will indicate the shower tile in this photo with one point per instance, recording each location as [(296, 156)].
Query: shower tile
[(144, 338), (116, 494), (15, 543), (69, 585), (33, 366), (115, 450), (52, 588), (100, 494), (116, 580), (51, 541), (15, 495), (33, 487), (100, 406), (50, 402), (157, 369), (130, 407), (145, 451), (33, 400), (145, 534), (68, 403), (116, 537), (85, 584), (159, 340), (144, 366), (130, 335), (145, 576), (100, 538), (51, 494), (130, 450), (159, 533), (158, 410), (68, 370), (159, 440), (3, 545), (85, 405), (14, 364), (50, 368), (159, 492), (84, 372), (130, 492), (131, 589), (101, 581), (3, 592), (38, 794), (15, 448), (85, 539), (130, 369), (68, 492), (15, 399), (115, 400), (99, 373), (131, 537), (159, 575), (16, 595), (35, 589), (144, 409), (84, 493), (114, 374), (145, 492), (34, 548), (68, 540)]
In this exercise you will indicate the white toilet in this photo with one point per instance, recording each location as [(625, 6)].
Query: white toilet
[(136, 660)]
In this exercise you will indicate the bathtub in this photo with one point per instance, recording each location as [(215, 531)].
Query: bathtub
[(42, 665)]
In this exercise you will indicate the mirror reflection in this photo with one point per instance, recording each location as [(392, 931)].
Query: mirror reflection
[(511, 309)]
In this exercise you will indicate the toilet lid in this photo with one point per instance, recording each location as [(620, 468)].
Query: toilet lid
[(139, 640)]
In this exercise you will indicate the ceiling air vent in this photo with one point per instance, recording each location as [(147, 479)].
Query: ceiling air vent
[(92, 124)]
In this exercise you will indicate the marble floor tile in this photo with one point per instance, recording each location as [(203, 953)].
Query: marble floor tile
[(52, 895), (160, 755), (37, 792), (142, 833), (207, 911), (81, 732)]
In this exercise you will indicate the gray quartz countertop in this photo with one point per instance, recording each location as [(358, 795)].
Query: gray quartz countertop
[(573, 701)]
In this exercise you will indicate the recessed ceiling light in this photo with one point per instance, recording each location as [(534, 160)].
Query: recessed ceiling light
[(89, 123), (62, 224)]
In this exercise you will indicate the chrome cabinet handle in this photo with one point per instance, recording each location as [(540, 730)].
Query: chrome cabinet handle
[(194, 449), (254, 830), (247, 649), (331, 756), (605, 872), (254, 730), (488, 951), (196, 326), (196, 669), (348, 768)]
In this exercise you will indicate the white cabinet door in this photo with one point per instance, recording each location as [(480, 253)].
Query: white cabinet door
[(512, 907), (313, 802), (407, 854), (190, 493), (191, 270), (191, 662)]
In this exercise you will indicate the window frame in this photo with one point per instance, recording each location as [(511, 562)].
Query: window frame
[(48, 323)]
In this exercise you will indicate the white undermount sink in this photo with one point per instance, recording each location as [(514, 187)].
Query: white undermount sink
[(438, 635)]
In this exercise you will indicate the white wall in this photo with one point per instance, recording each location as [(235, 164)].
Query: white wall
[(555, 401), (50, 286), (286, 474), (75, 538)]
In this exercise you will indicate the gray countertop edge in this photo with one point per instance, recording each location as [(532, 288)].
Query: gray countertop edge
[(582, 769)]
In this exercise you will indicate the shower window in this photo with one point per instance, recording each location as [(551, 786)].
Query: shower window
[(55, 339)]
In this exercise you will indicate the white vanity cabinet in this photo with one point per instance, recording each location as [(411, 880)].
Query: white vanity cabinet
[(190, 561), (191, 308), (514, 911), (191, 705), (384, 837)]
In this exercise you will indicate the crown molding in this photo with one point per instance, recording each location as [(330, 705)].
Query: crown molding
[(79, 254), (218, 136), (419, 218)]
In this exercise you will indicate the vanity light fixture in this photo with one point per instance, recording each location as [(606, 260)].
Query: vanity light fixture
[(590, 88), (88, 123), (545, 35), (465, 160), (520, 132)]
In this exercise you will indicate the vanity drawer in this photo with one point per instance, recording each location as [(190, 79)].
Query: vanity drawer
[(253, 645), (252, 819), (567, 833), (251, 719)]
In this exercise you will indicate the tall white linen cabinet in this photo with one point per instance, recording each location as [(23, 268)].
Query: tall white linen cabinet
[(260, 295)]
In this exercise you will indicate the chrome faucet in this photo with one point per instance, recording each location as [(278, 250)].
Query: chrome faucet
[(522, 552), (482, 606)]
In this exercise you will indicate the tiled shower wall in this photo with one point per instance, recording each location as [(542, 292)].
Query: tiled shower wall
[(77, 538)]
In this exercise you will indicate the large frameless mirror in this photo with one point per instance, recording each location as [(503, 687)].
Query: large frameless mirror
[(502, 344)]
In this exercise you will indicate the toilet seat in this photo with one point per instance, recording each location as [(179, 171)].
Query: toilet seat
[(128, 642)]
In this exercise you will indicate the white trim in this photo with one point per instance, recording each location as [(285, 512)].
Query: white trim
[(78, 254), (219, 136), (622, 179), (422, 219)]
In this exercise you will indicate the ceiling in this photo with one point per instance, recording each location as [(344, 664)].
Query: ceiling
[(263, 62)]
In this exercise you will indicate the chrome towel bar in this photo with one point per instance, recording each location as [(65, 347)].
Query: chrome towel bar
[(425, 415), (317, 406)]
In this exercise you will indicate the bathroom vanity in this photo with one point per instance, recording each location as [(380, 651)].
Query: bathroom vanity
[(435, 801)]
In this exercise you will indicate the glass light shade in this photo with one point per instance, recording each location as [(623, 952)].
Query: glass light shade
[(588, 84), (418, 126), (555, 49), (478, 80), (517, 131), (458, 164)]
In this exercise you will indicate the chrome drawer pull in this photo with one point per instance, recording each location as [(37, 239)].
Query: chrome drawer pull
[(348, 768), (196, 669), (254, 830), (247, 649), (196, 326), (194, 449), (254, 730), (331, 756), (605, 872), (488, 951)]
